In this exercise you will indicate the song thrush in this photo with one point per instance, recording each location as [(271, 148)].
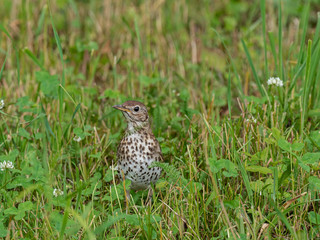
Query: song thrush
[(138, 148)]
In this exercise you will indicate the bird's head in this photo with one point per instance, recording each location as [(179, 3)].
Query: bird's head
[(135, 112)]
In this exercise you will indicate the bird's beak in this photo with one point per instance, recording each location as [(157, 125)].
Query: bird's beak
[(121, 108)]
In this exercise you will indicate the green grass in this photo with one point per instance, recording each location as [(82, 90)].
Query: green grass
[(241, 157)]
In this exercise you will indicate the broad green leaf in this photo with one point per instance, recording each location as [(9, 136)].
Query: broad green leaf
[(184, 95), (11, 156), (304, 166), (257, 186), (146, 81), (113, 94), (224, 164), (284, 145), (108, 176), (162, 184), (212, 165), (276, 133), (56, 219), (17, 182), (314, 218), (132, 219), (49, 83), (315, 136), (233, 204), (260, 156), (3, 231), (88, 128), (78, 131), (24, 133), (97, 155), (38, 136), (25, 206), (20, 215), (26, 105), (311, 158), (11, 211), (270, 141), (297, 146), (314, 183), (260, 169)]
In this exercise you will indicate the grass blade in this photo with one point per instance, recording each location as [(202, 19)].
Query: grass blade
[(317, 32), (2, 28), (41, 20), (2, 68), (238, 82), (280, 70), (273, 49), (33, 58), (306, 89), (284, 220), (263, 15), (62, 82), (229, 94), (304, 25), (255, 75)]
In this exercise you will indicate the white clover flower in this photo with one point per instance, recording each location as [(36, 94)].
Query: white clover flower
[(5, 165), (77, 138), (275, 81), (1, 104), (57, 192)]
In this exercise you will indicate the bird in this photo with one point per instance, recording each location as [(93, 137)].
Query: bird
[(138, 148)]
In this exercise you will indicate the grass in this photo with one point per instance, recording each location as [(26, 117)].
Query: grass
[(241, 156)]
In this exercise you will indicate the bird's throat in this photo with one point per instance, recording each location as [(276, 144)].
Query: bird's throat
[(137, 127)]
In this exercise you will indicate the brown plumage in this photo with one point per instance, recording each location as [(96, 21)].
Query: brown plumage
[(138, 148)]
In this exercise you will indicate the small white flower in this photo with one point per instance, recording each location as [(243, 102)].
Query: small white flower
[(57, 192), (5, 165), (275, 81), (77, 138), (252, 119), (1, 104)]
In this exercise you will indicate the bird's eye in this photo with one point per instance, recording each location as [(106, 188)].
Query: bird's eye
[(136, 109)]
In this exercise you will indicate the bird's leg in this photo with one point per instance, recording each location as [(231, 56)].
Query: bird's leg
[(150, 194), (126, 192)]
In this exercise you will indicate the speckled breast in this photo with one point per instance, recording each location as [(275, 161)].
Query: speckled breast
[(135, 153)]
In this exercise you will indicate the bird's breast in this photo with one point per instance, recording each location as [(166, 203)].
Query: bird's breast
[(136, 147)]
